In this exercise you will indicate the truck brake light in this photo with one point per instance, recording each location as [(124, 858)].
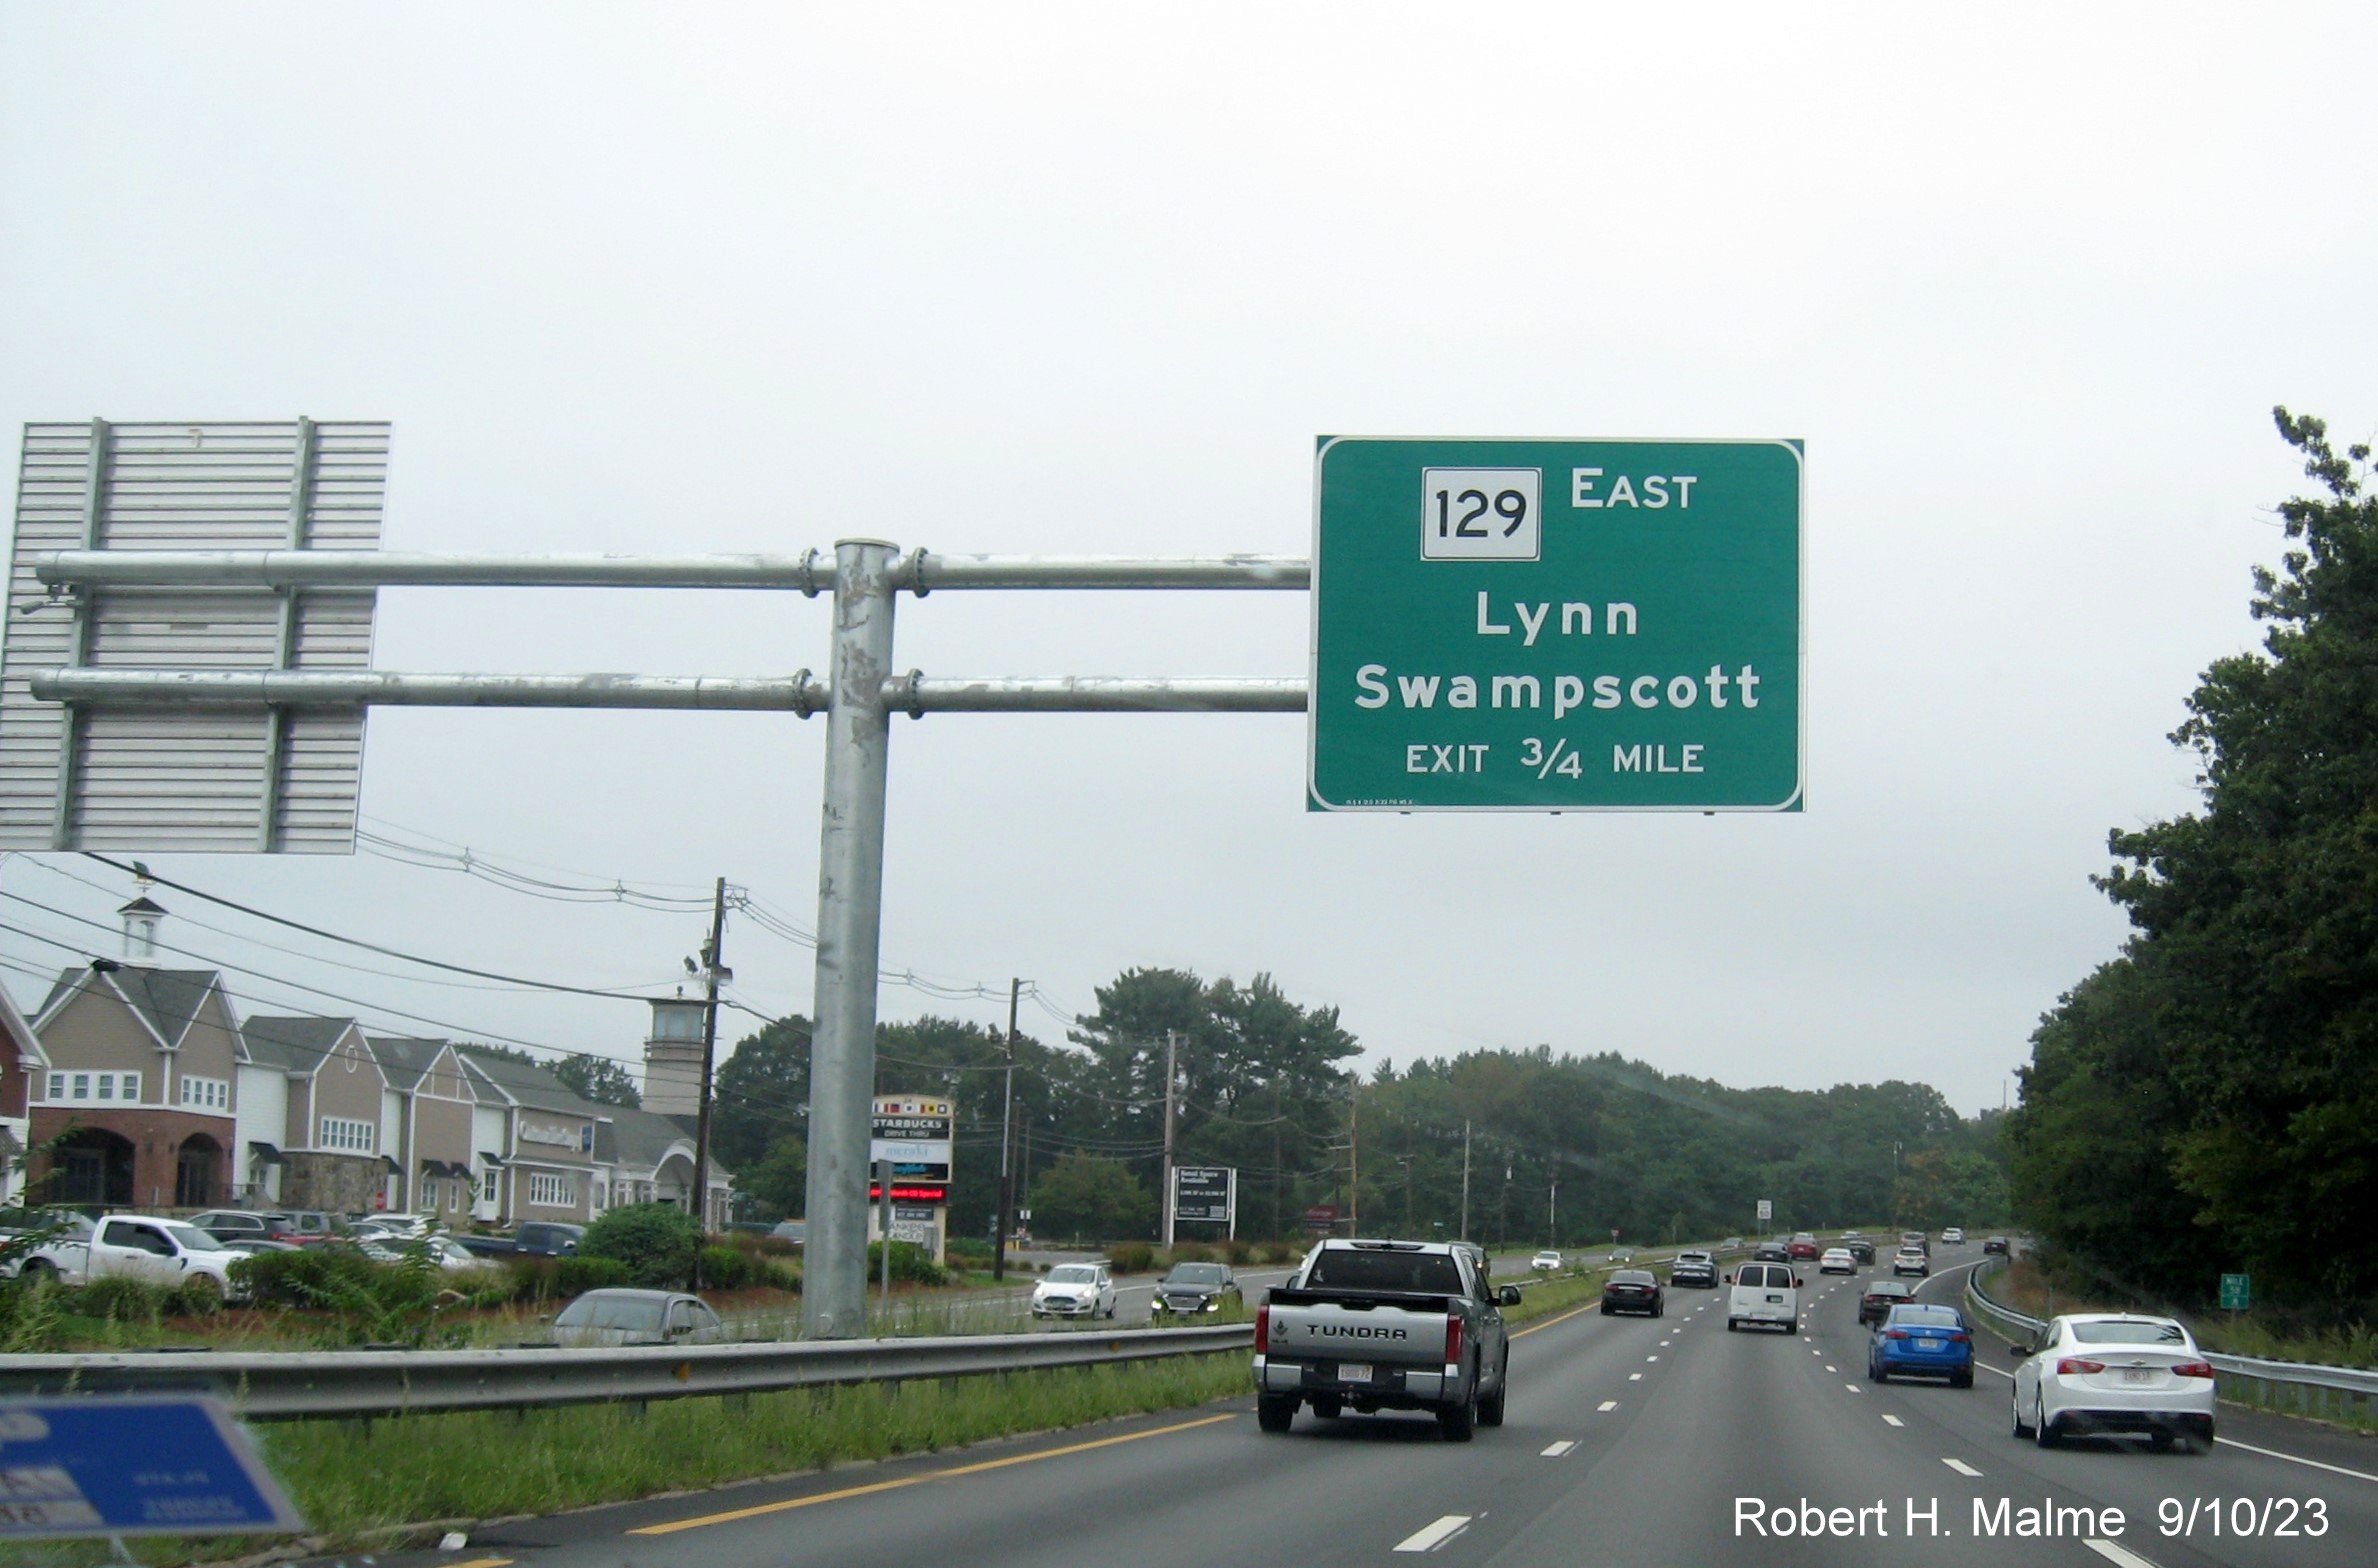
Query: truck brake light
[(1452, 1340), (1263, 1330)]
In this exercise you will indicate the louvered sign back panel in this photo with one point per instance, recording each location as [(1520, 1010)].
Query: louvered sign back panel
[(155, 776)]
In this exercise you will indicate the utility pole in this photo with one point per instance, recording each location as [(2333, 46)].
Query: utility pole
[(1556, 1213), (1007, 1122), (1169, 1037), (713, 970), (1405, 1160), (1354, 1162), (1465, 1178)]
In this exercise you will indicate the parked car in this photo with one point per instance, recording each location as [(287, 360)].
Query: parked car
[(22, 1230), (137, 1246), (637, 1317), (1766, 1293), (1546, 1262), (229, 1225), (1837, 1260), (1880, 1296), (794, 1231), (252, 1246), (1997, 1244), (1919, 1337), (2098, 1372), (1696, 1269), (444, 1251), (1633, 1290), (307, 1226), (1075, 1290), (535, 1239), (1191, 1288)]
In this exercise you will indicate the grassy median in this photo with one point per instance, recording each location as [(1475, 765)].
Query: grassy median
[(357, 1484)]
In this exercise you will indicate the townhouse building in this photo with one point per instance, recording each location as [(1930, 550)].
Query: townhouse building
[(333, 1143), (428, 1121), (136, 1087), (20, 1062)]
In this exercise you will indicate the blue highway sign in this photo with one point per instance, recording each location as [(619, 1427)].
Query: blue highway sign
[(169, 1464)]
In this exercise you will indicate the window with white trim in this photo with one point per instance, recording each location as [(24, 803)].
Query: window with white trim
[(340, 1133), (206, 1094), (488, 1185), (550, 1191), (93, 1088)]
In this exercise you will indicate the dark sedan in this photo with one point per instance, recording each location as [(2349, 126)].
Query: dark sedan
[(1881, 1296), (1196, 1287), (1633, 1290), (1995, 1244), (1860, 1248)]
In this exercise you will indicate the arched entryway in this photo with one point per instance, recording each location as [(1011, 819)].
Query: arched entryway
[(197, 1172), (92, 1166)]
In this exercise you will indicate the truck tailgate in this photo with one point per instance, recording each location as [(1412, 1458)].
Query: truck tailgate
[(1407, 1330)]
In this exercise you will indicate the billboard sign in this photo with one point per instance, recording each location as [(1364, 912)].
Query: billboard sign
[(1205, 1192), (916, 1136), (1321, 1217), (1556, 625)]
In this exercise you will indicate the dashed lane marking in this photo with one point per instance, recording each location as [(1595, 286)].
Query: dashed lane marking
[(790, 1503), (1609, 1404), (1560, 1448), (1961, 1467), (1435, 1535), (1651, 1358), (1831, 1368), (2118, 1554), (1853, 1388), (1894, 1420), (1634, 1377)]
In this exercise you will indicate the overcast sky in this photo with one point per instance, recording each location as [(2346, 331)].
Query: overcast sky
[(1065, 280)]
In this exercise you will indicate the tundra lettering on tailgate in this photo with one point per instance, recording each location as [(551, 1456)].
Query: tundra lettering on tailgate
[(1356, 1331)]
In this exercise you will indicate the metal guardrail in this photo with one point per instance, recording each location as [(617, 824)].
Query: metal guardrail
[(2299, 1387), (360, 1384)]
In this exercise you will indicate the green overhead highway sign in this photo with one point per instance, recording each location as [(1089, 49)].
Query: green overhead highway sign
[(1556, 625)]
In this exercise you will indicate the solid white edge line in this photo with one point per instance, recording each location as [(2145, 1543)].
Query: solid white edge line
[(2293, 1459), (1961, 1467), (2114, 1553), (1433, 1536)]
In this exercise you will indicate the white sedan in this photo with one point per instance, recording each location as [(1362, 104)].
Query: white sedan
[(1075, 1290), (1546, 1262), (2094, 1372), (1837, 1260)]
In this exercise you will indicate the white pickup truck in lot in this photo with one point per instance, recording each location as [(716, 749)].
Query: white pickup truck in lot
[(136, 1246), (1385, 1325)]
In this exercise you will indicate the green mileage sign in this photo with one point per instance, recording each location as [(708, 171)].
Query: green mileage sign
[(1556, 626)]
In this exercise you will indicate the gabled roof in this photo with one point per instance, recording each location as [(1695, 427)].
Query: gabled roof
[(405, 1062), (295, 1043), (19, 1029), (527, 1083), (166, 1000)]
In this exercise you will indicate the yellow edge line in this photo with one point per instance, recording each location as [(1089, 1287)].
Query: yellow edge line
[(484, 1562), (788, 1504), (1549, 1322)]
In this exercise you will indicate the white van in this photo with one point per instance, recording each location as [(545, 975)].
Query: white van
[(1764, 1293)]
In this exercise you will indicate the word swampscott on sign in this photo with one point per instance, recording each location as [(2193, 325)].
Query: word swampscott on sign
[(1757, 1516)]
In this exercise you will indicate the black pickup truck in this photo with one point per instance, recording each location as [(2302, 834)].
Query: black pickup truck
[(1385, 1325)]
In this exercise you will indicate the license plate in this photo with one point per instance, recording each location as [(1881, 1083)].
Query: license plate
[(2138, 1375), (1928, 1344), (1354, 1371)]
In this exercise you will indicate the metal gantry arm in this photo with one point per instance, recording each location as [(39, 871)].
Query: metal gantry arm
[(861, 690)]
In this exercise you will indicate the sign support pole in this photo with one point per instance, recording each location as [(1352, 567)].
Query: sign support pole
[(1007, 1122), (849, 931)]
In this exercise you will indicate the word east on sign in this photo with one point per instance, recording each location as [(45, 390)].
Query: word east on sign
[(1556, 625)]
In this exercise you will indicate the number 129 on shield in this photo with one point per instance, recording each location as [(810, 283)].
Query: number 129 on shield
[(1480, 514)]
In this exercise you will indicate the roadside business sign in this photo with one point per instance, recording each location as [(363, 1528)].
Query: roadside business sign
[(1205, 1192), (1321, 1217), (102, 1465), (2237, 1292), (915, 1135), (1556, 625)]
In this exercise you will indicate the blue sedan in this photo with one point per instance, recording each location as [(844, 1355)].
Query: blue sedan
[(1931, 1340)]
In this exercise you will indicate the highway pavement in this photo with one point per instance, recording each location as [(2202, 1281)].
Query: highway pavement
[(1668, 1443)]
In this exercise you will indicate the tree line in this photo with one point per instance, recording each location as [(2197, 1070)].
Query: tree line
[(1262, 1084), (2206, 1102)]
